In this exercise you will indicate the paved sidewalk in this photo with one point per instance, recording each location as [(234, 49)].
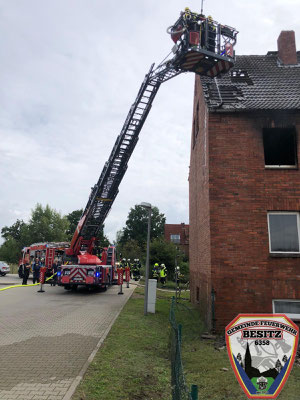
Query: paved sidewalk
[(12, 279), (47, 338)]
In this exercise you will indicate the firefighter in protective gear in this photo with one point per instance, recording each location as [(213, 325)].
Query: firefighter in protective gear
[(163, 274), (123, 263), (135, 271), (211, 37), (155, 272)]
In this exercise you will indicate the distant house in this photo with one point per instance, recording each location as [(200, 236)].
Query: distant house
[(244, 187), (179, 235)]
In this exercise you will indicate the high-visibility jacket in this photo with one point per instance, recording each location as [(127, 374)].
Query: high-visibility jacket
[(163, 273)]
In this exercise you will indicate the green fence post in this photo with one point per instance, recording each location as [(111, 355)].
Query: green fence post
[(179, 333), (194, 392)]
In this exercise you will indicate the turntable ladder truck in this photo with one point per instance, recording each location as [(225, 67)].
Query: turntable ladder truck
[(201, 46)]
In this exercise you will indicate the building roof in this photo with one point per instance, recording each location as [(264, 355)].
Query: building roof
[(255, 83)]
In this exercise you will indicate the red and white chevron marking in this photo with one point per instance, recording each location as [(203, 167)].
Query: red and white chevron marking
[(191, 60), (78, 272), (221, 66)]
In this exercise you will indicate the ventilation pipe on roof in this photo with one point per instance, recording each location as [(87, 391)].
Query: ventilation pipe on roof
[(286, 44)]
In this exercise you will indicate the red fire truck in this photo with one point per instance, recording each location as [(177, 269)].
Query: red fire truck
[(43, 251), (90, 270), (202, 46)]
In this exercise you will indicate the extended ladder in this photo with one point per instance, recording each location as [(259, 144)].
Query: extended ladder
[(105, 191)]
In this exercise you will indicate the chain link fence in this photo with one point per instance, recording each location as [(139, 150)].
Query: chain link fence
[(180, 390)]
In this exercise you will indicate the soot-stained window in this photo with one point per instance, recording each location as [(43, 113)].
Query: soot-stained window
[(280, 147)]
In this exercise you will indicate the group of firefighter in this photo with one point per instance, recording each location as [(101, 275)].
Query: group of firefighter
[(34, 266), (134, 267), (159, 272), (202, 25)]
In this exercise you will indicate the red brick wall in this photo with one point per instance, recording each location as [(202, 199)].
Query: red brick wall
[(178, 229), (286, 44), (230, 194), (200, 259), (246, 278)]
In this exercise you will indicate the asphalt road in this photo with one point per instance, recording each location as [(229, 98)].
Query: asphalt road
[(47, 338)]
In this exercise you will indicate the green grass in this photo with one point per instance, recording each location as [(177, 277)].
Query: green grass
[(133, 362)]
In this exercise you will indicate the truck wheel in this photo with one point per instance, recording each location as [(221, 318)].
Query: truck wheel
[(67, 288)]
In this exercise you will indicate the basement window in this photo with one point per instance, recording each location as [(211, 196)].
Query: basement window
[(280, 147), (283, 232), (291, 308)]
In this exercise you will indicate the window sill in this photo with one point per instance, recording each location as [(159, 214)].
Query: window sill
[(284, 255), (281, 167)]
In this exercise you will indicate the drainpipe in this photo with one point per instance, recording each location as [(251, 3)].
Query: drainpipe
[(213, 319)]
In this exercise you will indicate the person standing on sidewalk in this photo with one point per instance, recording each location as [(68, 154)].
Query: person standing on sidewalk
[(36, 271), (26, 271), (54, 272)]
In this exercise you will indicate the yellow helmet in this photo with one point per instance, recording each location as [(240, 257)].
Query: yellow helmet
[(210, 18), (186, 9)]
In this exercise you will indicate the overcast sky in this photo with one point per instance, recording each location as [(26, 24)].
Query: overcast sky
[(70, 70)]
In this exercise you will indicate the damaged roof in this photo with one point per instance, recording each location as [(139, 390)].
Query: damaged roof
[(255, 83)]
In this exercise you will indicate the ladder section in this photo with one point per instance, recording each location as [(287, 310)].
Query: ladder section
[(109, 256), (105, 191)]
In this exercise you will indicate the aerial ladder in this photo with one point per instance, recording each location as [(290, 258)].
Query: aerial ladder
[(202, 46)]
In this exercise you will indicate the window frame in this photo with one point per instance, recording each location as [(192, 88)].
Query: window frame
[(177, 240), (283, 166), (269, 232), (292, 316)]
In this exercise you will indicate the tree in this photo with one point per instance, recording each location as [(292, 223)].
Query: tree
[(73, 219), (131, 250), (10, 250), (163, 252), (14, 231), (137, 224), (47, 225)]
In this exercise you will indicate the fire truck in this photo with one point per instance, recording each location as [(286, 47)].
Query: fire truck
[(202, 46), (43, 251), (50, 251)]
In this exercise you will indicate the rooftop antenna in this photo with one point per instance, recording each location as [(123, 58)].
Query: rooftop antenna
[(202, 6)]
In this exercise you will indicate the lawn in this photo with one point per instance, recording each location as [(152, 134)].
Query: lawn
[(133, 363)]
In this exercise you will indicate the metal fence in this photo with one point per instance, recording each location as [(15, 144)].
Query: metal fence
[(180, 390)]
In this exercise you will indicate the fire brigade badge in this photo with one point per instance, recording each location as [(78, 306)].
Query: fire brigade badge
[(262, 350)]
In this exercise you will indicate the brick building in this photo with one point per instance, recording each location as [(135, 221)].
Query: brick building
[(245, 188), (179, 235)]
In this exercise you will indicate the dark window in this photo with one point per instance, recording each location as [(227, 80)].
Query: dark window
[(197, 294), (290, 308), (280, 147), (284, 232)]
